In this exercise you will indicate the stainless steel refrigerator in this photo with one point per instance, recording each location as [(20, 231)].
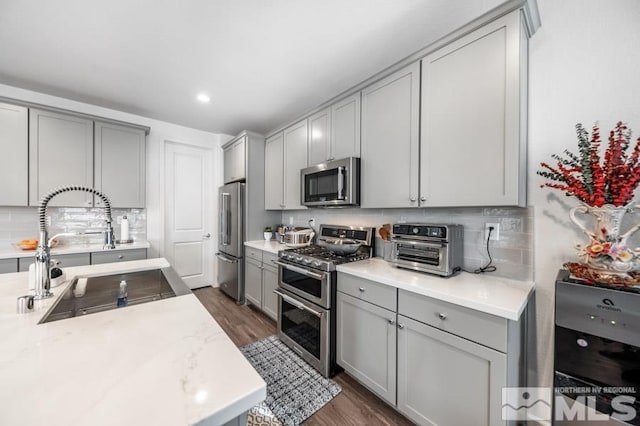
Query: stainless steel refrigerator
[(231, 240)]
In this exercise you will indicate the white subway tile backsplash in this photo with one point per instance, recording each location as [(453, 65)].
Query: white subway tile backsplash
[(512, 254), (22, 223)]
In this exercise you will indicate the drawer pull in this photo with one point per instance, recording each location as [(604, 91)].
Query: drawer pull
[(120, 257), (391, 321), (361, 289), (442, 316), (401, 326)]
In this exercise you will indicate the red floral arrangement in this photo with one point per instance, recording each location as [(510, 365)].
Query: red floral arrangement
[(592, 179)]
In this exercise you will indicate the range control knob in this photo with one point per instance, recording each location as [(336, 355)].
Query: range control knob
[(307, 261), (298, 258), (317, 263), (416, 230)]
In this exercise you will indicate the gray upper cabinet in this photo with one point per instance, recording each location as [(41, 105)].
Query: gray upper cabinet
[(120, 159), (234, 160), (14, 161), (390, 144), (345, 127), (295, 159), (474, 118), (60, 153), (433, 365), (320, 137), (274, 172)]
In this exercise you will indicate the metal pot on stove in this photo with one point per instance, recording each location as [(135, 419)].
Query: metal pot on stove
[(341, 246), (299, 236)]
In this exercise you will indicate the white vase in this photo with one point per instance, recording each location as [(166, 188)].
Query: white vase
[(267, 235)]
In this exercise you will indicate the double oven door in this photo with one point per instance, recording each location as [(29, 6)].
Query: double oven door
[(305, 318)]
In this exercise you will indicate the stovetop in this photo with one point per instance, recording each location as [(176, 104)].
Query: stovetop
[(319, 257)]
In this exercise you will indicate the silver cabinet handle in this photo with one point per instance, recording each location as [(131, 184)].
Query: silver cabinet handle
[(413, 199), (423, 198), (401, 326), (300, 270), (206, 236), (391, 321), (121, 257), (442, 316), (298, 305), (361, 289)]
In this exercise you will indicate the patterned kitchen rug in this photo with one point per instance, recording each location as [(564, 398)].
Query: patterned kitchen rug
[(295, 390)]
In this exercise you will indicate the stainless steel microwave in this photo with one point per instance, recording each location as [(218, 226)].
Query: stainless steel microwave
[(332, 184)]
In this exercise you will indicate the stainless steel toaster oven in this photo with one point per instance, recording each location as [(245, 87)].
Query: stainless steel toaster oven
[(432, 248)]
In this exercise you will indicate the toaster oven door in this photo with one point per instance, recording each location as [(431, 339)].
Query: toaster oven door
[(423, 256)]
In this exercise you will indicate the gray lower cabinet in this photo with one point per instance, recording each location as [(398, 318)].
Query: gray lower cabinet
[(260, 279), (111, 256), (366, 344), (64, 260), (253, 282), (447, 380), (269, 284), (8, 265), (14, 161)]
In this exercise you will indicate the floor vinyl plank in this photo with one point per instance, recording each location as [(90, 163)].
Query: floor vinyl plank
[(355, 405)]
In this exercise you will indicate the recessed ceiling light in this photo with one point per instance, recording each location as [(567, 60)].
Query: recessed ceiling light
[(205, 99)]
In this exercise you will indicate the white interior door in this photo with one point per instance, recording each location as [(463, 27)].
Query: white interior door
[(189, 212)]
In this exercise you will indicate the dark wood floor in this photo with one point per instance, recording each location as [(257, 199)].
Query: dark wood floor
[(355, 405)]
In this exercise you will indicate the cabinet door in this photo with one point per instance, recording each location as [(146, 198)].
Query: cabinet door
[(234, 161), (320, 137), (253, 282), (295, 159), (120, 160), (14, 161), (60, 154), (366, 344), (446, 380), (64, 260), (472, 134), (345, 127), (269, 298), (390, 125), (274, 172), (8, 265)]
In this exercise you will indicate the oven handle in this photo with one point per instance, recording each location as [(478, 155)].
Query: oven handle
[(300, 270), (298, 305)]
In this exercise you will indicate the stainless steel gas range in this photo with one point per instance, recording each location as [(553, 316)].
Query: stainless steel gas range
[(307, 294)]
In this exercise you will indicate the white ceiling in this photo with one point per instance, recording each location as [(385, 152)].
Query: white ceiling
[(263, 62)]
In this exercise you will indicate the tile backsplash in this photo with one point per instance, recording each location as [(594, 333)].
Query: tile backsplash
[(19, 223), (512, 254)]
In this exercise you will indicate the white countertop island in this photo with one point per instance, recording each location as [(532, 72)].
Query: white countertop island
[(160, 363)]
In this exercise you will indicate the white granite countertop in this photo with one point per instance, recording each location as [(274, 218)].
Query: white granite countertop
[(483, 292), (269, 246), (161, 363), (9, 251)]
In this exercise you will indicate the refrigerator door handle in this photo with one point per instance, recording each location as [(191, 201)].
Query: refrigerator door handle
[(225, 258), (224, 219)]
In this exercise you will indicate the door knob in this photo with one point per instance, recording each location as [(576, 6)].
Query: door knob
[(206, 236)]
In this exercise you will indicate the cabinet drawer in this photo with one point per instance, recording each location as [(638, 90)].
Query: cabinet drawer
[(369, 291), (64, 260), (118, 256), (268, 259), (486, 329), (253, 253), (8, 265)]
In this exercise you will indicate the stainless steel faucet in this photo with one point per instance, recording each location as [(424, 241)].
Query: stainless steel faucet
[(43, 256)]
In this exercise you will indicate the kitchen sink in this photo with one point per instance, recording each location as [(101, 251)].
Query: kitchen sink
[(92, 294)]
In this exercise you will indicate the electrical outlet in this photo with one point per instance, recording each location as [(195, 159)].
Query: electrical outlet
[(495, 234), (48, 220), (118, 220), (290, 220)]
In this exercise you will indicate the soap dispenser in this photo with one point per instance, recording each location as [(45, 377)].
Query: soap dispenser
[(122, 294)]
